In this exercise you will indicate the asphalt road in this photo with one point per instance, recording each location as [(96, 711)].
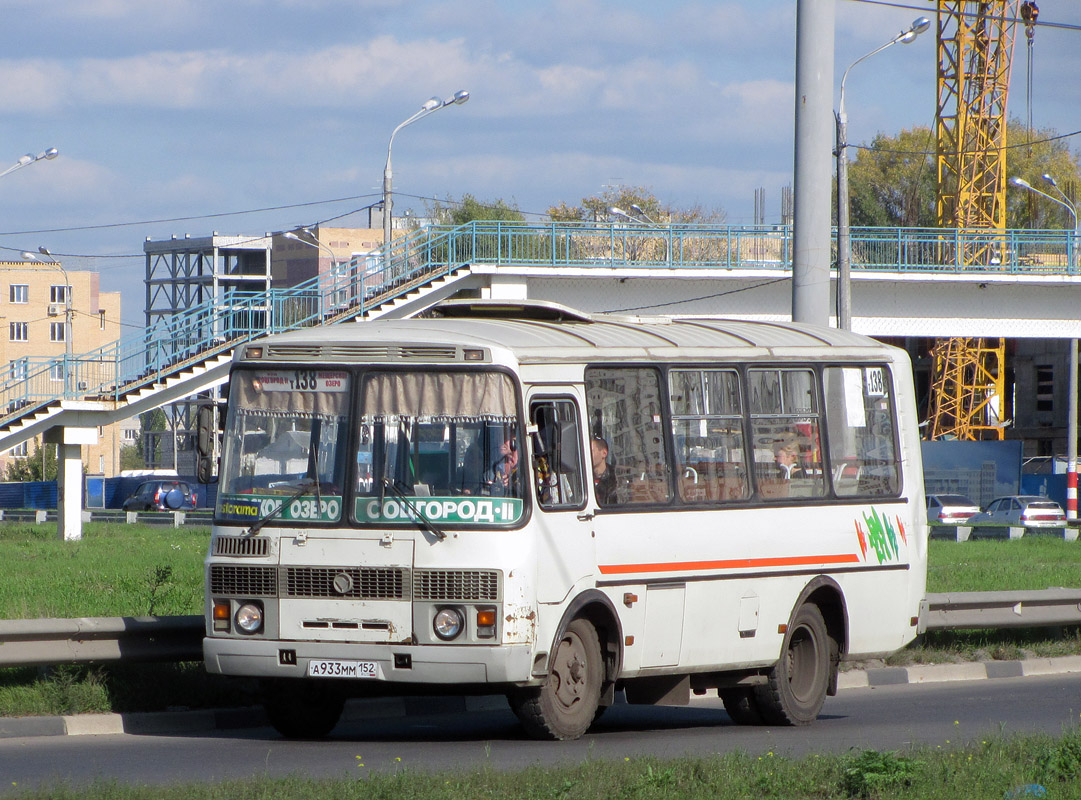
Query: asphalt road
[(894, 717)]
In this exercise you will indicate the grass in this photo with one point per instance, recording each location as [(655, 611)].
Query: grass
[(115, 570), (135, 570), (988, 768), (1036, 562)]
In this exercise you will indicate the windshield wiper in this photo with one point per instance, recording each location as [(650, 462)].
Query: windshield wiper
[(303, 490), (418, 515)]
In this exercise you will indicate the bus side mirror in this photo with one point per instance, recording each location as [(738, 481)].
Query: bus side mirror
[(204, 470), (205, 440)]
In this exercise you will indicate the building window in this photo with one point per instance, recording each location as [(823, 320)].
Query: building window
[(56, 372), (131, 434), (1045, 388), (56, 332), (19, 369), (19, 451), (59, 294), (101, 320), (20, 293), (17, 331)]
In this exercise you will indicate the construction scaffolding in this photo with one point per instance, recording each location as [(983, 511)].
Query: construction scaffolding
[(975, 52)]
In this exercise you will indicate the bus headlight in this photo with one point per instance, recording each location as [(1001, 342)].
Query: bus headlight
[(249, 617), (448, 623)]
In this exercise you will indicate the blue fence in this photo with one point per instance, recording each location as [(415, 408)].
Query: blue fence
[(42, 495)]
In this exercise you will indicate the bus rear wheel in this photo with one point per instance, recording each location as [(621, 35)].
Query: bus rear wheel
[(566, 705), (797, 685), (741, 704), (302, 709)]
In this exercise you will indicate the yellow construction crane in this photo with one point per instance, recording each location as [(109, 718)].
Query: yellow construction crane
[(975, 51)]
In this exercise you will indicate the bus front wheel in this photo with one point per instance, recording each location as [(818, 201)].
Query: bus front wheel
[(302, 708), (565, 706), (797, 685)]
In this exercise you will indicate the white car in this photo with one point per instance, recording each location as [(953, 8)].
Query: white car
[(1029, 511), (950, 509)]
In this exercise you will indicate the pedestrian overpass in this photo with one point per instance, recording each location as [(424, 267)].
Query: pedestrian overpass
[(905, 282)]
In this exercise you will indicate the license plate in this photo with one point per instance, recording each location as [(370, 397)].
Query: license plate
[(344, 669)]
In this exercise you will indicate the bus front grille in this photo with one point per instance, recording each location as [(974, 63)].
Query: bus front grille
[(240, 546), (462, 585), (368, 583), (226, 579)]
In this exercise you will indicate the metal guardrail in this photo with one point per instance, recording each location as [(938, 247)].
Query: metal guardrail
[(1031, 609), (176, 519), (39, 642)]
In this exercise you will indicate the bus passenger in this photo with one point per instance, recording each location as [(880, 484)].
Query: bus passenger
[(786, 456), (604, 477)]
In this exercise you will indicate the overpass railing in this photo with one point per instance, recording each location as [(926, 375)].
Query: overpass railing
[(354, 288)]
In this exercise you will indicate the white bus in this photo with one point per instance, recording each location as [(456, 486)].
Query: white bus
[(532, 501)]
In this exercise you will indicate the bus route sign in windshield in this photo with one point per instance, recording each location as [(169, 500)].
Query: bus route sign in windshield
[(253, 507), (470, 510)]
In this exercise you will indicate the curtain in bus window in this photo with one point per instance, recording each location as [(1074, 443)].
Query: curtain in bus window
[(624, 407), (707, 426), (785, 424), (439, 434), (863, 447)]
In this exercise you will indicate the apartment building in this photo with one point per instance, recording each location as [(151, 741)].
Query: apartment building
[(34, 298)]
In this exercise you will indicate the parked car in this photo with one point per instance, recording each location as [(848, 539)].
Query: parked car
[(1030, 511), (158, 495), (950, 509)]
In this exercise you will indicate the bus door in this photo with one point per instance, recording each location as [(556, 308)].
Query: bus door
[(642, 548), (565, 542)]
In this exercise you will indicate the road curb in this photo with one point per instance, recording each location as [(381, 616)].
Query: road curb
[(183, 722), (942, 673)]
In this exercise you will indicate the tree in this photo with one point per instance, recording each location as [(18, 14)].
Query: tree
[(893, 181), (1031, 155), (38, 466), (131, 457), (150, 446), (470, 209), (625, 198)]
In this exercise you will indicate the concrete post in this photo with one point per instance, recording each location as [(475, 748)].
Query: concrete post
[(811, 234), (69, 462)]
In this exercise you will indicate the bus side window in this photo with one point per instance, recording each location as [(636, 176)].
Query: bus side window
[(862, 438), (557, 454)]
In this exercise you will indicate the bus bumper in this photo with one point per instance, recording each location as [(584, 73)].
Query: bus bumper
[(431, 664)]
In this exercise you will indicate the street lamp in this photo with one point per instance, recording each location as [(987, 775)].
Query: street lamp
[(30, 158), (44, 251), (1071, 421), (844, 248), (431, 105), (319, 245), (643, 218)]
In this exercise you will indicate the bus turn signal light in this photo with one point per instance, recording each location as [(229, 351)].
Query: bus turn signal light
[(221, 615)]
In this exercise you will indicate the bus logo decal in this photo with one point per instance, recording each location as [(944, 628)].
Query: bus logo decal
[(880, 535)]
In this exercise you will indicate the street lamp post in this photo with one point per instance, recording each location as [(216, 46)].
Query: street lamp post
[(643, 218), (1071, 403), (318, 245), (30, 158), (844, 247), (431, 105), (68, 311)]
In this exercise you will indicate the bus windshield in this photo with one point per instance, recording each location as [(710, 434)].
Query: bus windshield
[(283, 442), (430, 444)]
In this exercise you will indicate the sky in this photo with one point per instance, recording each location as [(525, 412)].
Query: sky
[(172, 116)]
